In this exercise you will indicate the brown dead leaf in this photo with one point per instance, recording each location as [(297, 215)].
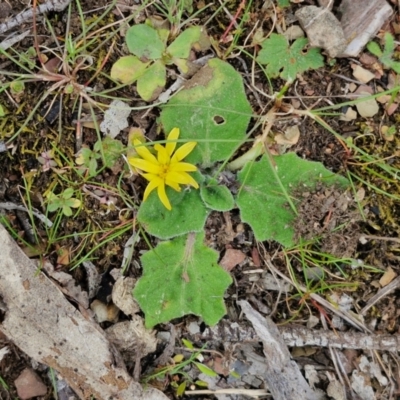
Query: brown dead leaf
[(290, 137), (255, 255), (62, 256), (387, 277), (232, 258)]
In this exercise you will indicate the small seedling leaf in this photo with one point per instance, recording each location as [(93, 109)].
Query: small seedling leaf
[(201, 383), (188, 344), (234, 374), (217, 197), (188, 214), (193, 37), (74, 203), (67, 211), (214, 106), (178, 358), (152, 82), (112, 150), (287, 61), (67, 193), (181, 389), (128, 69), (261, 201), (206, 370), (385, 56), (375, 49), (144, 42), (53, 206), (180, 277), (92, 167)]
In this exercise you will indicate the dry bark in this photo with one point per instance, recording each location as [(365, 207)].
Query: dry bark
[(299, 336), (43, 324), (21, 18), (283, 377)]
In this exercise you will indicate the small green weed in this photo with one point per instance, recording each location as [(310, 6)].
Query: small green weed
[(287, 61), (63, 201), (386, 55), (177, 373), (151, 56)]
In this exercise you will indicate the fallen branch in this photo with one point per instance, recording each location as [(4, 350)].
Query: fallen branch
[(18, 20), (283, 376), (44, 325), (299, 336)]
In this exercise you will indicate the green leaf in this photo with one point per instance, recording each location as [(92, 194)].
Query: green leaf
[(213, 109), (201, 383), (92, 167), (67, 211), (216, 197), (143, 41), (395, 67), (205, 370), (288, 61), (283, 3), (181, 389), (128, 69), (67, 193), (388, 46), (55, 205), (375, 49), (74, 203), (193, 37), (2, 111), (152, 82), (188, 344), (385, 56), (112, 150), (261, 201), (180, 277), (188, 214)]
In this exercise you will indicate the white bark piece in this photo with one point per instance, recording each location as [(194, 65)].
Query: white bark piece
[(18, 20), (43, 324), (122, 296), (361, 20), (284, 378)]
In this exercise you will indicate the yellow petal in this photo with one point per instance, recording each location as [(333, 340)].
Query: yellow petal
[(173, 184), (182, 178), (162, 154), (183, 151), (151, 186), (163, 196), (144, 165), (150, 177), (144, 152), (170, 146), (182, 166)]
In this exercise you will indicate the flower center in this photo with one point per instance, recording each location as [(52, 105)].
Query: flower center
[(164, 170)]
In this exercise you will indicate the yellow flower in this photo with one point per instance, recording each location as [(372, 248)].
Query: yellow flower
[(166, 168)]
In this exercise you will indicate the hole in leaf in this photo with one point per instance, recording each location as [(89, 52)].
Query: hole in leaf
[(219, 120)]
